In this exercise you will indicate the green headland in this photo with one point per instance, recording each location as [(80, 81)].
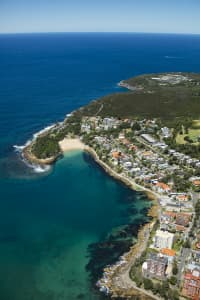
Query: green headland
[(149, 138), (172, 98)]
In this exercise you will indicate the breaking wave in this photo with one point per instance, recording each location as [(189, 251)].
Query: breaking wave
[(19, 149)]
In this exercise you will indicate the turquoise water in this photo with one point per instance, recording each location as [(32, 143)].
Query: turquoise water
[(55, 227), (46, 230)]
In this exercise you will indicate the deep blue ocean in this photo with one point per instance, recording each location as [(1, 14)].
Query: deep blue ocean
[(48, 220)]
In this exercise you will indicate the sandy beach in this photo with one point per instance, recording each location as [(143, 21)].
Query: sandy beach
[(117, 277), (68, 144)]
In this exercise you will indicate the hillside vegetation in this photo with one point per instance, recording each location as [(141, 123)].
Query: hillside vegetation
[(160, 99), (168, 97)]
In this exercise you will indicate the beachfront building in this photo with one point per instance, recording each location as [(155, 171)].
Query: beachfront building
[(155, 267), (163, 239)]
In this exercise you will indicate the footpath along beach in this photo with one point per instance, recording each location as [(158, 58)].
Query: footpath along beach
[(116, 280)]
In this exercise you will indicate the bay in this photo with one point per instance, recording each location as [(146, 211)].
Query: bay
[(49, 222)]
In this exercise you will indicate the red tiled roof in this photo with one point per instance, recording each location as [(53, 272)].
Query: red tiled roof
[(163, 186), (168, 252), (116, 154), (170, 213), (180, 228), (182, 197), (133, 147), (191, 286)]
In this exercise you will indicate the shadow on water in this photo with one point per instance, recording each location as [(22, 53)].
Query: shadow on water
[(114, 244), (108, 250), (111, 245)]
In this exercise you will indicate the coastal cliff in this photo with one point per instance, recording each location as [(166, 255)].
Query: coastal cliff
[(120, 131), (31, 157)]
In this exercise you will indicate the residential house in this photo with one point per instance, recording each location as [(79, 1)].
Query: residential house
[(161, 187)]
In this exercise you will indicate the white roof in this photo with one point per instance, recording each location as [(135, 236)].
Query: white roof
[(144, 266)]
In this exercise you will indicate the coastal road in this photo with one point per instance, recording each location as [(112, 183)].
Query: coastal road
[(153, 149), (183, 257), (123, 280)]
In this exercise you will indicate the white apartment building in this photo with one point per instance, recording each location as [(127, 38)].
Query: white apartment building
[(163, 239)]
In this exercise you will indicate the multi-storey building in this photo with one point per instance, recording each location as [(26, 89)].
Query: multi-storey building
[(163, 239), (191, 284)]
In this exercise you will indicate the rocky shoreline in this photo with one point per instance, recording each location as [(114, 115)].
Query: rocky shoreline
[(126, 85), (109, 283), (115, 281), (29, 156)]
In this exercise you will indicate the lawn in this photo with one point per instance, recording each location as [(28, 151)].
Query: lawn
[(193, 134), (196, 124), (180, 139)]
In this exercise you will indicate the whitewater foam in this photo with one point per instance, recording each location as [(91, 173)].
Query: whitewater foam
[(35, 135), (19, 149), (40, 169), (35, 167), (173, 57)]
